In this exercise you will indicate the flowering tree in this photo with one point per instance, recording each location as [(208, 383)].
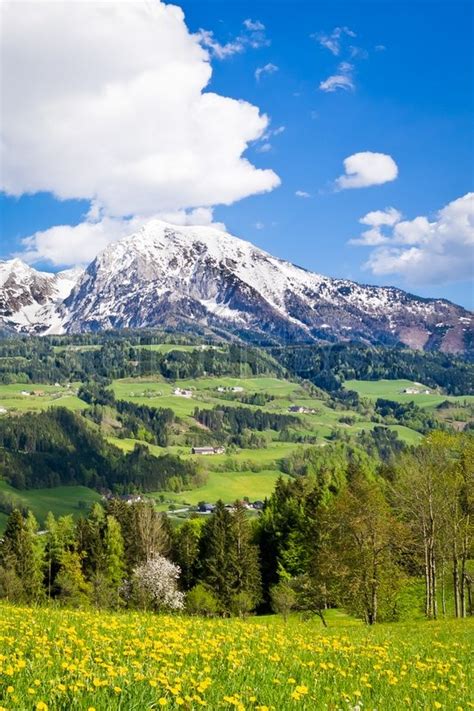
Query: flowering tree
[(156, 581)]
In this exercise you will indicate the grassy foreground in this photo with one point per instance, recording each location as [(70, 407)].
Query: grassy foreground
[(62, 659)]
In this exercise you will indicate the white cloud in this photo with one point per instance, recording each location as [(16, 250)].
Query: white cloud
[(377, 221), (389, 216), (302, 194), (266, 69), (259, 225), (221, 51), (253, 35), (429, 252), (279, 130), (107, 101), (342, 80), (367, 168), (64, 245), (332, 41), (264, 148)]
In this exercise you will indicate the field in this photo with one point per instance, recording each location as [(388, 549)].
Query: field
[(61, 500), (39, 397), (56, 660), (393, 390), (228, 486)]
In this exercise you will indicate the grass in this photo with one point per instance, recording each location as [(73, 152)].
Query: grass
[(60, 500), (40, 397), (392, 390), (227, 486), (58, 659), (168, 347)]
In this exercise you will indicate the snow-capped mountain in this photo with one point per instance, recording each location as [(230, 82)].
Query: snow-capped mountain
[(28, 298), (207, 280)]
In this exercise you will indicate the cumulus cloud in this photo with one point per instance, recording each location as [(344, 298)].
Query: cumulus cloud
[(389, 216), (302, 194), (108, 102), (63, 245), (424, 251), (377, 221), (266, 69), (343, 79), (367, 168), (332, 41)]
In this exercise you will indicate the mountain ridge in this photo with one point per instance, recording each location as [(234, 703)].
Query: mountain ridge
[(205, 279)]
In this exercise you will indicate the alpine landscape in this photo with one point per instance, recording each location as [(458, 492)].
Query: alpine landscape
[(236, 472)]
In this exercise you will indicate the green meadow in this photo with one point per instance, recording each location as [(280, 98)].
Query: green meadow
[(59, 659), (60, 500), (393, 390)]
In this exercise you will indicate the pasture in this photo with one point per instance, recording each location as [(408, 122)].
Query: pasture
[(60, 500), (33, 397), (393, 390), (56, 659)]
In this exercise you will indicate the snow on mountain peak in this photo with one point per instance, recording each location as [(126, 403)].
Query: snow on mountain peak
[(203, 278)]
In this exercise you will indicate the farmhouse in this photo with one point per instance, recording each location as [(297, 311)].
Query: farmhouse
[(415, 391), (179, 392), (302, 410), (208, 450)]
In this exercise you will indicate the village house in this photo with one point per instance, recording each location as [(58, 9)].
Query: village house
[(208, 450), (180, 392), (302, 410)]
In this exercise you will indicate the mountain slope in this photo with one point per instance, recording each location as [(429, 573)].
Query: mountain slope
[(28, 298), (208, 280)]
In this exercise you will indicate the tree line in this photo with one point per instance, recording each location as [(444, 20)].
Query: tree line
[(328, 366), (347, 532)]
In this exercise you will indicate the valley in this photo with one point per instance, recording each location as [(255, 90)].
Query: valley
[(246, 469)]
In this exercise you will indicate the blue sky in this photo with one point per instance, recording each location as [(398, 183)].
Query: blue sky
[(410, 99)]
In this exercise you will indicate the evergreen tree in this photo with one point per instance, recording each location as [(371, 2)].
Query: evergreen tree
[(185, 551), (20, 556), (248, 582), (217, 554)]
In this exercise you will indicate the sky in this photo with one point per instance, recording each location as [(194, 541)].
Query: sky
[(336, 135)]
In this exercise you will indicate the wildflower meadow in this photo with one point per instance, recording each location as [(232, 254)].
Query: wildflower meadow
[(59, 659)]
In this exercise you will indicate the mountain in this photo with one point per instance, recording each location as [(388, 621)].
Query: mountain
[(29, 298), (206, 280)]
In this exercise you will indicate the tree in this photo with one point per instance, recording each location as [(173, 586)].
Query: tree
[(72, 587), (114, 554), (363, 548), (216, 553), (248, 582), (201, 601), (186, 539), (283, 598), (60, 537), (21, 557), (156, 582), (433, 491)]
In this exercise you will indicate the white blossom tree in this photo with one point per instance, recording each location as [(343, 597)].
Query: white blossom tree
[(156, 581)]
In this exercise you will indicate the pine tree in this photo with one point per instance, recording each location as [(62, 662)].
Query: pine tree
[(20, 556), (216, 554), (248, 583), (186, 550)]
